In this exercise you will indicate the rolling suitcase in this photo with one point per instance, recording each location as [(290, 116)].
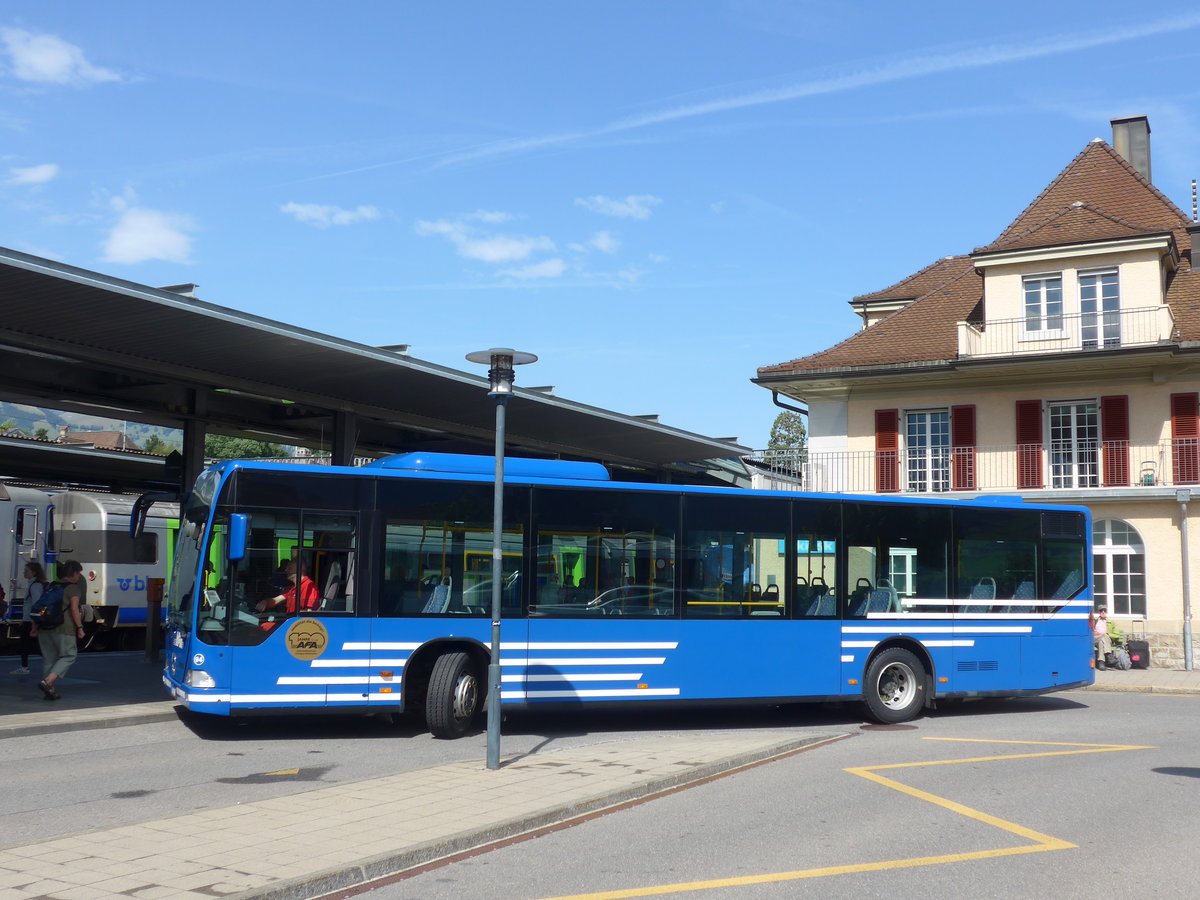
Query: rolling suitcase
[(1139, 653)]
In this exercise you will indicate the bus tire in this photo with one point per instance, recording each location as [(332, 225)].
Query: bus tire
[(894, 688), (452, 699)]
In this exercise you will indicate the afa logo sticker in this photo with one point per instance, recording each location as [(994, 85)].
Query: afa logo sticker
[(307, 639)]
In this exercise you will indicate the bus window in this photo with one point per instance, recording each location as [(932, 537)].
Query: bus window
[(897, 558), (995, 559), (815, 527), (437, 551), (733, 560), (605, 553)]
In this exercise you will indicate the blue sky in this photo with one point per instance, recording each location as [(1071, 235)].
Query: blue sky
[(655, 198)]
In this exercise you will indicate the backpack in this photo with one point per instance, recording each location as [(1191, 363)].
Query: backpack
[(1118, 659), (47, 610)]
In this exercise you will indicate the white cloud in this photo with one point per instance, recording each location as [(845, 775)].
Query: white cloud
[(605, 242), (34, 174), (144, 234), (324, 216), (635, 206), (551, 268), (490, 217), (491, 248), (46, 58), (657, 258)]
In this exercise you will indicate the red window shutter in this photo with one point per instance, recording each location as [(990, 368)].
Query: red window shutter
[(1029, 443), (1185, 438), (887, 451), (1114, 437), (962, 445)]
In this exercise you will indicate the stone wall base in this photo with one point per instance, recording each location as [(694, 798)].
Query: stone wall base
[(1166, 650)]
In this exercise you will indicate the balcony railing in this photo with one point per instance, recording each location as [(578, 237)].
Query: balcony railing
[(1075, 333), (1084, 465)]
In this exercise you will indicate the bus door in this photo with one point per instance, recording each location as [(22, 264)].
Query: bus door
[(295, 639), (603, 609), (25, 528), (437, 588)]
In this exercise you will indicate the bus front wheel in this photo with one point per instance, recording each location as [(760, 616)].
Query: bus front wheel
[(452, 700), (894, 689)]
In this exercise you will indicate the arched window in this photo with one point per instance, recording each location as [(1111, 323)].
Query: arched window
[(1120, 563)]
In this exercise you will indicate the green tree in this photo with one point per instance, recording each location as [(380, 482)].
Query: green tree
[(223, 446), (42, 434), (156, 445), (8, 425), (788, 432), (788, 442)]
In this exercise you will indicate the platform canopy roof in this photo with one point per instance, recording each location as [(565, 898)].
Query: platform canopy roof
[(83, 342)]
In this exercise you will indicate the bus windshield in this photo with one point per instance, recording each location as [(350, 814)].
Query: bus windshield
[(188, 546)]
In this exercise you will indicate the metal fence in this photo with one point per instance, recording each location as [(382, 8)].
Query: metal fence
[(1053, 466), (1067, 333)]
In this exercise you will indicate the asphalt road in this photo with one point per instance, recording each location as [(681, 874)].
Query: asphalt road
[(1037, 797), (119, 776)]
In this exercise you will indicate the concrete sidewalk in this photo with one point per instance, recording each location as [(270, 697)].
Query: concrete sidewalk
[(102, 690), (1148, 681), (343, 835)]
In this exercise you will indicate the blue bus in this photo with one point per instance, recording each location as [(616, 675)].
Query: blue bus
[(350, 589)]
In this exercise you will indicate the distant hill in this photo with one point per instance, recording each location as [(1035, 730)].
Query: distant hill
[(29, 419)]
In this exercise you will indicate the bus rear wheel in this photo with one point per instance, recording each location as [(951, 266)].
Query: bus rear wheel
[(452, 699), (894, 689)]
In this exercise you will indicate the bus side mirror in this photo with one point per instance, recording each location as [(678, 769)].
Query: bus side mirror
[(141, 508), (239, 523)]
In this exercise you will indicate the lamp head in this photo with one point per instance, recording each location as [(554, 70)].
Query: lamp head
[(501, 361)]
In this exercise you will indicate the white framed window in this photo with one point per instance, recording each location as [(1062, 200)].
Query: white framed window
[(1043, 306), (1074, 443), (927, 450), (1100, 309), (1119, 563), (902, 570)]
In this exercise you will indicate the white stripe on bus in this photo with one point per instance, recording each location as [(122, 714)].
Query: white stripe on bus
[(545, 695), (599, 661), (575, 676), (944, 629)]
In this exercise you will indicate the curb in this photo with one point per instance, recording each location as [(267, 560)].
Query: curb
[(1143, 689), (90, 723), (374, 868)]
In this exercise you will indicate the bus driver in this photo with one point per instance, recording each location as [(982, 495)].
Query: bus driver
[(310, 597)]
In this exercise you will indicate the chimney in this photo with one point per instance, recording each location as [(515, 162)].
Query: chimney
[(1131, 139), (63, 431)]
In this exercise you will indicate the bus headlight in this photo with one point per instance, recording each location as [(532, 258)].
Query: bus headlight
[(198, 678)]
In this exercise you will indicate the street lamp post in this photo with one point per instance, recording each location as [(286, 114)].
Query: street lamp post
[(500, 362), (1182, 497)]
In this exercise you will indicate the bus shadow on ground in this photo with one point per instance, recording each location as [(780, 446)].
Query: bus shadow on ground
[(306, 726), (582, 721)]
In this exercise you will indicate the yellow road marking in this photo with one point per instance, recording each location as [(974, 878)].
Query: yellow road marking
[(1041, 843), (282, 772)]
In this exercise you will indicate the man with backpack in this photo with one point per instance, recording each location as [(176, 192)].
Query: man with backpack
[(58, 641)]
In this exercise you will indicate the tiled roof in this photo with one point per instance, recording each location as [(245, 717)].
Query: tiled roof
[(1076, 223), (1097, 196), (921, 283), (101, 440), (1099, 177), (924, 331)]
